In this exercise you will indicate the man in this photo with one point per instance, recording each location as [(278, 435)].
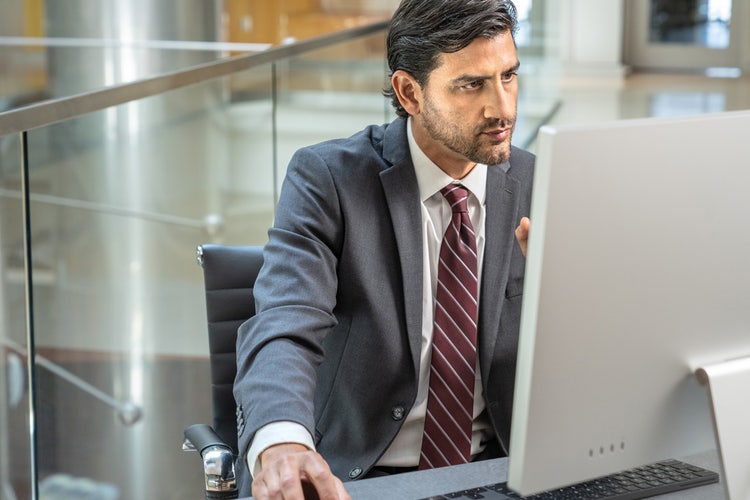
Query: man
[(334, 370)]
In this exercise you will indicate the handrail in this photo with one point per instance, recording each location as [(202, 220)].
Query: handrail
[(128, 412), (64, 108)]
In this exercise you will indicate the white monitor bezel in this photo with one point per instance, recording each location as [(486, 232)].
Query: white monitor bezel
[(612, 306)]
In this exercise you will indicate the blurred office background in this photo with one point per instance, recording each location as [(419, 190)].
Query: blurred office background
[(132, 131)]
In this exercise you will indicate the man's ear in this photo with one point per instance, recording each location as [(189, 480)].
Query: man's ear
[(408, 91)]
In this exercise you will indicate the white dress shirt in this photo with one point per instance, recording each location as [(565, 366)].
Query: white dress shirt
[(436, 215)]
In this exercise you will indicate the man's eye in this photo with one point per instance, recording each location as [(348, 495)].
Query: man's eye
[(473, 85), (508, 77)]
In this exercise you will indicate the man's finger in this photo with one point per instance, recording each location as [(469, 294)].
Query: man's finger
[(317, 473)]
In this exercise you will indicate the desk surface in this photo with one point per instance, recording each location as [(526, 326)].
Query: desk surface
[(415, 485), (421, 484)]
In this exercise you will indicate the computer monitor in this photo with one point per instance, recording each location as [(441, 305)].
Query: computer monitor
[(637, 275)]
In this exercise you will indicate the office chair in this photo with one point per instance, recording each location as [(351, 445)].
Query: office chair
[(229, 274)]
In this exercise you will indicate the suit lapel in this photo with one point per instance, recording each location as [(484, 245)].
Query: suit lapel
[(501, 214), (402, 196)]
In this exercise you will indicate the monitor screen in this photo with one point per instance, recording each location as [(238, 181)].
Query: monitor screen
[(637, 274)]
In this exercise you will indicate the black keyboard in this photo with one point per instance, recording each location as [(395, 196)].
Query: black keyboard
[(641, 482)]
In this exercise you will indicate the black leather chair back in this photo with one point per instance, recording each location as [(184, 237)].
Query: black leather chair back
[(229, 273)]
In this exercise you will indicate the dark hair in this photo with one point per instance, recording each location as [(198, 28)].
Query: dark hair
[(421, 30)]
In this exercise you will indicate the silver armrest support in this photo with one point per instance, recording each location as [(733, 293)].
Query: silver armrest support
[(218, 461), (218, 466)]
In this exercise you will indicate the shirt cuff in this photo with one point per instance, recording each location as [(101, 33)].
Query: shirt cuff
[(276, 433)]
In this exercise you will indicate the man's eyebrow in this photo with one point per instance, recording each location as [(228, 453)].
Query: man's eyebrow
[(514, 68), (468, 78)]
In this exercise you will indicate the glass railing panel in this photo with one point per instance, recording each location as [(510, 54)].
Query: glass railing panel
[(248, 194), (330, 93), (119, 200), (16, 471)]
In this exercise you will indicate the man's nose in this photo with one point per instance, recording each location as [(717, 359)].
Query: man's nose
[(500, 104)]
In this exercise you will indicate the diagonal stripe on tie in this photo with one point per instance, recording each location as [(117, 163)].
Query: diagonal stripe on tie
[(450, 402)]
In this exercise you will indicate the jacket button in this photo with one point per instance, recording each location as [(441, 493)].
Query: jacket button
[(355, 472), (397, 413)]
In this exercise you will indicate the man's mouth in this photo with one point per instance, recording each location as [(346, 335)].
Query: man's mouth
[(499, 134)]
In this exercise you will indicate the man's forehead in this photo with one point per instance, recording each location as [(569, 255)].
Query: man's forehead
[(494, 53)]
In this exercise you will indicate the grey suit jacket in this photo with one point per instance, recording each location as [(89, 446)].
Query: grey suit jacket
[(336, 339)]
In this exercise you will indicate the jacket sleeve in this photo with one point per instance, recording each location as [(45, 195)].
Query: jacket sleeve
[(280, 348)]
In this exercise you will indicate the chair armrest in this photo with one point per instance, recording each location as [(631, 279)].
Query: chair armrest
[(218, 460)]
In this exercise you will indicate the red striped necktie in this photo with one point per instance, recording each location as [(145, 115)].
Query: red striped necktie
[(450, 403)]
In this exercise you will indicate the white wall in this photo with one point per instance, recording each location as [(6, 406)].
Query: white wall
[(586, 37)]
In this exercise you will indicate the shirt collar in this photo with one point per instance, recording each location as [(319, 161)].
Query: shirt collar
[(431, 179)]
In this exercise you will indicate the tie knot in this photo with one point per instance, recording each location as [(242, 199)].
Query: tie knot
[(456, 194)]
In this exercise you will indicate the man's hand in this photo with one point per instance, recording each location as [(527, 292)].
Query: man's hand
[(522, 234), (291, 471)]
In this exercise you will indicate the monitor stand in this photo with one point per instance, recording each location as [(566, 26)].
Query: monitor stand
[(728, 385)]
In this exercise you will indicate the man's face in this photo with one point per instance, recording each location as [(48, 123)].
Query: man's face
[(468, 106)]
